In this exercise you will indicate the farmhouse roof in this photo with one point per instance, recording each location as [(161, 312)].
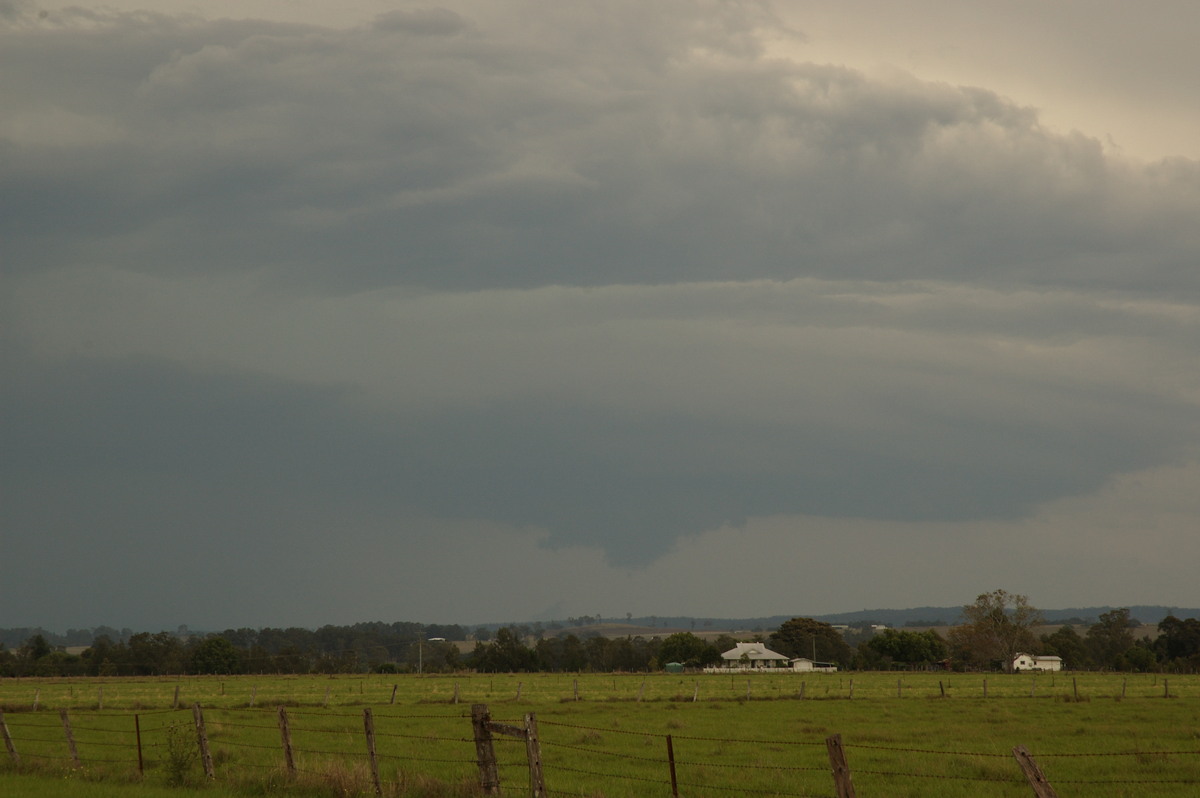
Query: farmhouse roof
[(752, 652)]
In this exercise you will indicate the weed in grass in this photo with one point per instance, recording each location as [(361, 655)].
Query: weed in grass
[(182, 754)]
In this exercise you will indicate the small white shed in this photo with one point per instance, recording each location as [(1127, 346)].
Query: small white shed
[(1031, 662)]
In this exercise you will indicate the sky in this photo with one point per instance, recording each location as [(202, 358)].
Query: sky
[(466, 312)]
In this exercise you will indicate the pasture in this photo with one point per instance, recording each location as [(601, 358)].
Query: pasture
[(933, 735)]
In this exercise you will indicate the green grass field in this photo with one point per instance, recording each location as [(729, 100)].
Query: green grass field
[(1104, 735)]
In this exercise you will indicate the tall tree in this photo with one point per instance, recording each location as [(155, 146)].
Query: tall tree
[(808, 637), (1110, 639), (997, 627), (683, 647), (907, 648), (1067, 643)]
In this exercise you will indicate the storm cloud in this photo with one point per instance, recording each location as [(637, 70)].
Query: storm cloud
[(607, 281)]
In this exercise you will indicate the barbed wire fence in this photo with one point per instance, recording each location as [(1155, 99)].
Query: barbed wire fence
[(389, 753)]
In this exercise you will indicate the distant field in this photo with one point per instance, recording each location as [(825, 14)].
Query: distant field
[(1102, 735)]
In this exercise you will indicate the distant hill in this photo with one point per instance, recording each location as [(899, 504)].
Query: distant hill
[(662, 625), (915, 616), (949, 616)]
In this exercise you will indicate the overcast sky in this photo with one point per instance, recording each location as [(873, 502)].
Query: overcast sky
[(318, 312)]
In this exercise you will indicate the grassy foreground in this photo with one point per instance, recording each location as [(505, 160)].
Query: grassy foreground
[(928, 735)]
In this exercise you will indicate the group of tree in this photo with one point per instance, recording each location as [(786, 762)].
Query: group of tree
[(1000, 625), (330, 649), (995, 628), (507, 652)]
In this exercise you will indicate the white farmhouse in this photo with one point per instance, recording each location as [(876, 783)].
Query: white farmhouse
[(746, 656), (1030, 662)]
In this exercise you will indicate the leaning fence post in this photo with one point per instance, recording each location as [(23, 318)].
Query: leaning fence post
[(137, 736), (533, 752), (202, 741), (671, 762), (8, 741), (66, 722), (369, 728), (1033, 773), (839, 767), (285, 735), (485, 752)]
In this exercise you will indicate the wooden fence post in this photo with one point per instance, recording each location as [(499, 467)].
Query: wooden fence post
[(394, 686), (202, 741), (840, 767), (175, 703), (942, 687), (533, 752), (285, 735), (369, 728), (8, 741), (671, 763), (485, 751), (1033, 773), (100, 697), (137, 735), (66, 722)]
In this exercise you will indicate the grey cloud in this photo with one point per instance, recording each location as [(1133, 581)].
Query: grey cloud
[(608, 275), (348, 159)]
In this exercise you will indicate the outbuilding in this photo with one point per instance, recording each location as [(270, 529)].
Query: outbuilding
[(1031, 662)]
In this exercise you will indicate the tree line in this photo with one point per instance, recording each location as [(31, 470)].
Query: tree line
[(994, 629)]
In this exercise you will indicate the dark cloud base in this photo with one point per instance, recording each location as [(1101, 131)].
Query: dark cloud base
[(630, 486)]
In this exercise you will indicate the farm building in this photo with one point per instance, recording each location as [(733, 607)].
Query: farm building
[(1030, 662), (753, 655), (805, 664)]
